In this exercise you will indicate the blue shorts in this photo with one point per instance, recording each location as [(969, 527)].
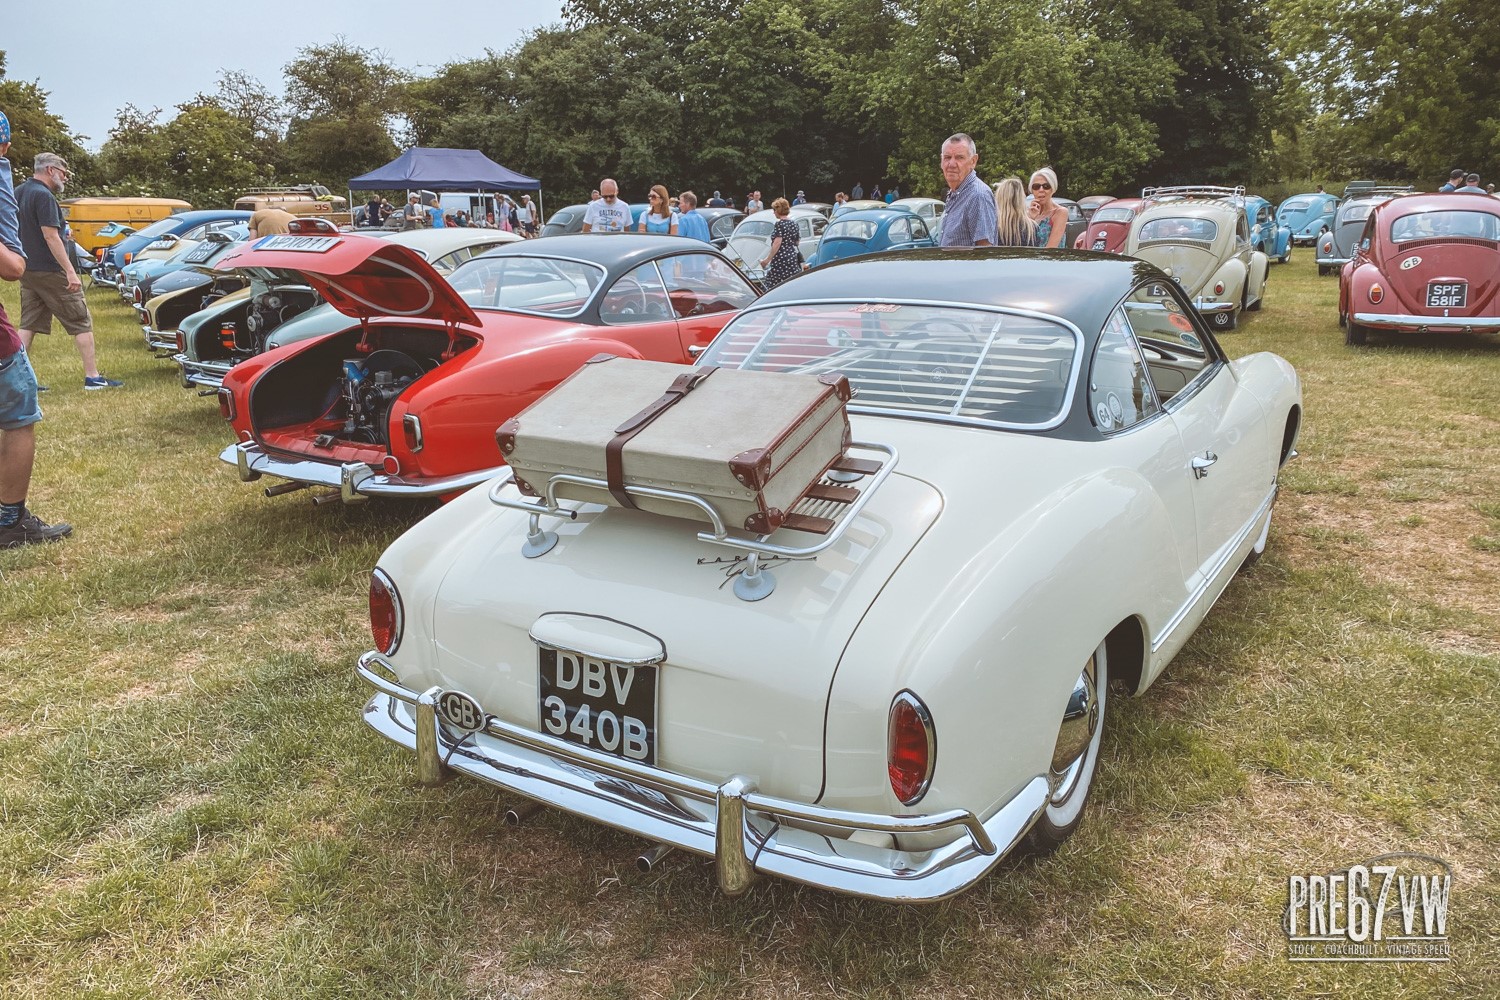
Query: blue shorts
[(18, 404)]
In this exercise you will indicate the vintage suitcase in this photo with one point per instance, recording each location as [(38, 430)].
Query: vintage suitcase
[(750, 443)]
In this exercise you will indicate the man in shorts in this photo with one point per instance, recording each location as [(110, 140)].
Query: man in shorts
[(50, 287), (19, 411)]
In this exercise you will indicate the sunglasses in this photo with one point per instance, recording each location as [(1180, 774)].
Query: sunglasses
[(653, 197), (1041, 187)]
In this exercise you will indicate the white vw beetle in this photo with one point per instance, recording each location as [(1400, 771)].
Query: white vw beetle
[(1200, 236), (1060, 472)]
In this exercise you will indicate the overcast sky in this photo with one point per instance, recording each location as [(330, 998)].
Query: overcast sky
[(172, 49)]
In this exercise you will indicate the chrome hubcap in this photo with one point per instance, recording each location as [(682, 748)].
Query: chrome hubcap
[(1079, 723)]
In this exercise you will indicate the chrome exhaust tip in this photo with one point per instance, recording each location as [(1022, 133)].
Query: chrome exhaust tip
[(516, 815), (651, 858)]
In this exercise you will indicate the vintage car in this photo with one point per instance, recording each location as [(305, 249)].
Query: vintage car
[(855, 206), (405, 402), (162, 300), (101, 222), (721, 224), (1199, 235), (1055, 473), (138, 278), (930, 209), (1267, 234), (1109, 226), (751, 239), (280, 308), (303, 200), (1427, 263), (1336, 247), (183, 225), (1091, 203), (1308, 215), (568, 221), (854, 234)]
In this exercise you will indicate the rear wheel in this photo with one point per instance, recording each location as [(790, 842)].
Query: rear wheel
[(1075, 758), (1286, 256), (1354, 333), (1322, 270)]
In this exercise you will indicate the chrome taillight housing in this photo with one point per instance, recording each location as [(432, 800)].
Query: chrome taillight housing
[(411, 429), (1218, 288), (226, 402), (911, 748), (386, 618), (1377, 294)]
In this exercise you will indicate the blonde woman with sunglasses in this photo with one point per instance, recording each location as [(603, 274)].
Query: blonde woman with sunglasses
[(1051, 219)]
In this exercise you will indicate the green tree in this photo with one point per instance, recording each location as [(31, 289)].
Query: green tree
[(342, 100), (204, 155)]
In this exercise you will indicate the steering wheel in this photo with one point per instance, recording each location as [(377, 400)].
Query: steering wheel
[(624, 289), (930, 371)]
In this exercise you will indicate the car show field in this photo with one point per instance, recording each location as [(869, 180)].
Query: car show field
[(191, 806)]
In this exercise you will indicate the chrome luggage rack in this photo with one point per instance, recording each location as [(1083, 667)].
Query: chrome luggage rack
[(828, 509), (1192, 191)]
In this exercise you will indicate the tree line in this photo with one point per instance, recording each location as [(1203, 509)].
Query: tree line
[(776, 95)]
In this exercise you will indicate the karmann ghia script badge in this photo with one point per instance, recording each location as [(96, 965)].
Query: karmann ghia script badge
[(460, 711)]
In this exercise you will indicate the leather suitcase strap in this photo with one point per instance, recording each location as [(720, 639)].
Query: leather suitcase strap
[(614, 459)]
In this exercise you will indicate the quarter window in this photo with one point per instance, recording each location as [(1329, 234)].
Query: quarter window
[(1173, 349), (699, 283), (1120, 391)]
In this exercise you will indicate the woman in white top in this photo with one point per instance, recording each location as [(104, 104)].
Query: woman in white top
[(659, 218)]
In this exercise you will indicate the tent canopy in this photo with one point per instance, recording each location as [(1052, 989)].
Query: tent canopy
[(443, 170)]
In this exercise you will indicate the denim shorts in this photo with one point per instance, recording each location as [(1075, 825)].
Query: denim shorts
[(18, 402)]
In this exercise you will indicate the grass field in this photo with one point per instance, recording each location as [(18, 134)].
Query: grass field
[(190, 806)]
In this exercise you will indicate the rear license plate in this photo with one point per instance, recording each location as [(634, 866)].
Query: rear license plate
[(1100, 243), (597, 704), (1447, 294)]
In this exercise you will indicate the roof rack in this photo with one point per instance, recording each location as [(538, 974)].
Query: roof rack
[(317, 190), (832, 505), (1192, 191), (1390, 189)]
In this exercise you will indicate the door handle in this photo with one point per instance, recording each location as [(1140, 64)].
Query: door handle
[(697, 349), (1202, 462)]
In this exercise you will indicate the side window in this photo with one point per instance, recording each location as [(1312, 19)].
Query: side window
[(918, 229), (1369, 233), (900, 231), (818, 225), (1120, 392), (636, 297), (1173, 349), (699, 283), (1242, 229)]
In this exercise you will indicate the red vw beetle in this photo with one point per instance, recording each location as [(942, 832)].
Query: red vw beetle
[(406, 401), (1109, 226), (1425, 263)]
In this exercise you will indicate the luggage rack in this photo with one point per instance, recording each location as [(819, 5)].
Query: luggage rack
[(1192, 191), (755, 582)]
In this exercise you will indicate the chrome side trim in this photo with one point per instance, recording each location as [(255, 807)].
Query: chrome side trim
[(1208, 578), (743, 830), (1394, 321), (353, 480)]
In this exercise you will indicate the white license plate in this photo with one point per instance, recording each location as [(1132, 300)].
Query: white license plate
[(1447, 294), (597, 704), (1100, 243)]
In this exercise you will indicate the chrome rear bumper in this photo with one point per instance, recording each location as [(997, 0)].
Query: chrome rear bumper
[(1447, 324), (203, 374), (1213, 307), (1333, 261), (353, 480), (744, 831), (158, 340)]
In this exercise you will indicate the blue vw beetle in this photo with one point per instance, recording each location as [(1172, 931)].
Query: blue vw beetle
[(1308, 215), (184, 225), (871, 230), (1268, 234)]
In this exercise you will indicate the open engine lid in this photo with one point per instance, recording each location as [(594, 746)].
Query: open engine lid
[(361, 276)]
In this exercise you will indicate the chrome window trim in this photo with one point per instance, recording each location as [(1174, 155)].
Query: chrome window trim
[(542, 256), (1070, 387)]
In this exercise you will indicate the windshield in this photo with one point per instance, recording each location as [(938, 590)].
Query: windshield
[(1179, 229), (159, 227), (528, 284), (851, 229), (1114, 215), (1449, 224), (984, 366)]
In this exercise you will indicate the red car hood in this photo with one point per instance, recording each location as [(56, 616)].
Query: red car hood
[(360, 275), (1474, 262)]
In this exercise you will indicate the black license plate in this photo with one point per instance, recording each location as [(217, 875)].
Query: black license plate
[(1100, 243), (597, 704), (1447, 294)]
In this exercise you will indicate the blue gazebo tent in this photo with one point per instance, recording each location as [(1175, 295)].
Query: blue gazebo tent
[(444, 170)]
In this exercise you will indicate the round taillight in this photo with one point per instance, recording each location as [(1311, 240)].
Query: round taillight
[(385, 613), (911, 748), (1218, 288), (1376, 294)]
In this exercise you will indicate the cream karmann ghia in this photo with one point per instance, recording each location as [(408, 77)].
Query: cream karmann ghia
[(1062, 472)]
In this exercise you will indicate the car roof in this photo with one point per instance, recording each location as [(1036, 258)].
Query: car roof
[(879, 215), (797, 212), (209, 215), (1191, 208), (609, 250), (1078, 285), (449, 238), (1446, 200)]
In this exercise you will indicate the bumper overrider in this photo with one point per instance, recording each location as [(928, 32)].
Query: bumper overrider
[(1333, 261), (202, 374), (744, 831), (354, 480), (1207, 306), (1450, 324), (159, 340)]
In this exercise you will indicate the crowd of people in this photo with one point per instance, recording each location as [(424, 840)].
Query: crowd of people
[(1465, 183), (508, 215)]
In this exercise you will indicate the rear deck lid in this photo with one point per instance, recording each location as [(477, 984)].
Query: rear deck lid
[(361, 276)]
